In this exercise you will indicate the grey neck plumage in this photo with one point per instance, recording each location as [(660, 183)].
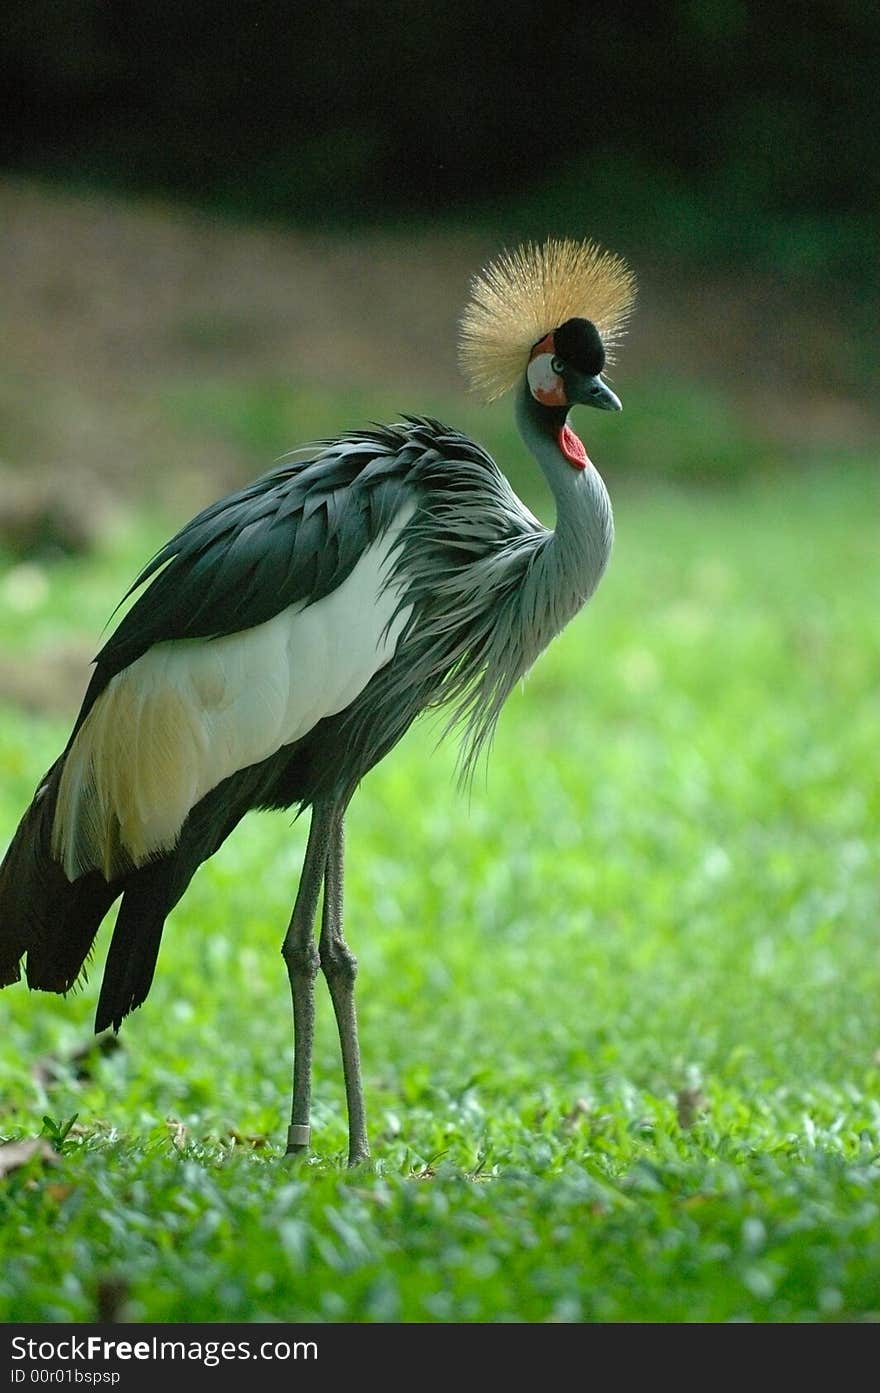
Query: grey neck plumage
[(575, 554), (475, 629)]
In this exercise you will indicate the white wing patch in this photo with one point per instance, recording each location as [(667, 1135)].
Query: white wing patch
[(190, 712)]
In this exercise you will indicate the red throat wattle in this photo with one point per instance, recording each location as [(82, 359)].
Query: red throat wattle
[(572, 447)]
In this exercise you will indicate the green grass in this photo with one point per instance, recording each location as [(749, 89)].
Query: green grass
[(619, 1008)]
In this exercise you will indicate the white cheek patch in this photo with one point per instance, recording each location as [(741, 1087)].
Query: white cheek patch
[(545, 385)]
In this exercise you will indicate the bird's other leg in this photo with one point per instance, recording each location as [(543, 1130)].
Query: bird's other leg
[(301, 957), (339, 965)]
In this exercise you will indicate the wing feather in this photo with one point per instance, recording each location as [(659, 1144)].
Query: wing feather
[(187, 714), (249, 556), (250, 626)]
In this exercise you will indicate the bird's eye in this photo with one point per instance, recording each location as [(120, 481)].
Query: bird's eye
[(557, 366)]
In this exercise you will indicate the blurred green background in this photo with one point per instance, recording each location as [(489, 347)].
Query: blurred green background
[(633, 980)]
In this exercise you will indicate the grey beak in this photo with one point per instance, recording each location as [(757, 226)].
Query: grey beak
[(594, 392)]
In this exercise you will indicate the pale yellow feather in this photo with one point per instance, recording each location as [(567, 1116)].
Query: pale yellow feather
[(189, 713), (527, 293)]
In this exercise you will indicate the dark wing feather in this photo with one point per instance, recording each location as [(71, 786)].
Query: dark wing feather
[(292, 536)]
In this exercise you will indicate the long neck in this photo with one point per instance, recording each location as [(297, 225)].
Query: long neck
[(577, 551)]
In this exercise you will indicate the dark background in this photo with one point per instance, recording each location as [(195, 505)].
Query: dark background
[(721, 129)]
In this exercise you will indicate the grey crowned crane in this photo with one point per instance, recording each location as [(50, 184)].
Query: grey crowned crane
[(286, 638)]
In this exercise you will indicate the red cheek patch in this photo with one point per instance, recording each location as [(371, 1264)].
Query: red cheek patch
[(572, 447), (551, 396), (546, 345)]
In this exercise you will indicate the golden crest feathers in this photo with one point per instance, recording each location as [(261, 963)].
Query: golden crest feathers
[(527, 293)]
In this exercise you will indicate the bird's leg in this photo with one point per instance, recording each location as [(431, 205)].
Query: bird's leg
[(339, 965), (301, 958)]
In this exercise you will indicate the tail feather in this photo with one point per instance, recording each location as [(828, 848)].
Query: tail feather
[(58, 959), (134, 948), (43, 916), (152, 892), (52, 922)]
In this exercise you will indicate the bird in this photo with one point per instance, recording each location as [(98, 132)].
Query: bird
[(285, 639)]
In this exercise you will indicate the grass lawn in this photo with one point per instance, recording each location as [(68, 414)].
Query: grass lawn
[(619, 1008)]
